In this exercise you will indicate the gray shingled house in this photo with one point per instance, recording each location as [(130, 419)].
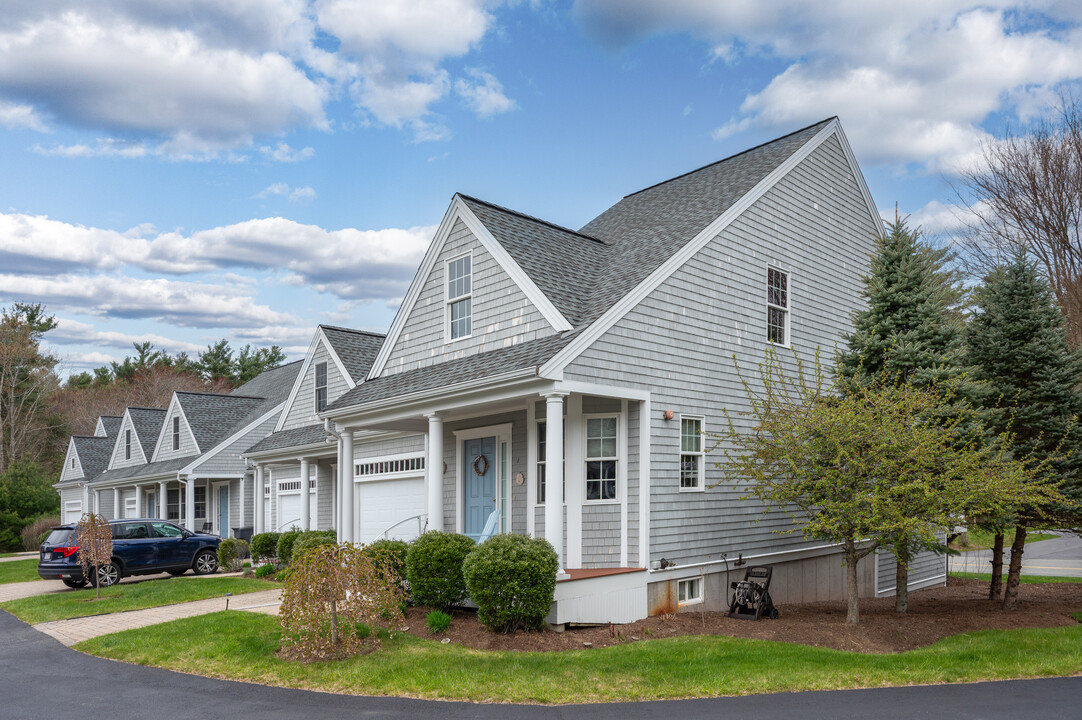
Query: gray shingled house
[(182, 463), (557, 383)]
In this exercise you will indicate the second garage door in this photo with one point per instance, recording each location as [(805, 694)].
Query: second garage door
[(382, 503)]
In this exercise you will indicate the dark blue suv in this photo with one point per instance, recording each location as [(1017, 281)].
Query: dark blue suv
[(140, 547)]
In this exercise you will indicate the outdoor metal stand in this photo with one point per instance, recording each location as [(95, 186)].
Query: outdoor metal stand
[(751, 596)]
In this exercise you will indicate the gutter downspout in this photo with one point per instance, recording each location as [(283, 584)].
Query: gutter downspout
[(328, 426)]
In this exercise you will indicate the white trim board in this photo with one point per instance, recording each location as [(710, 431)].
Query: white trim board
[(319, 337), (167, 429), (555, 366), (190, 468), (458, 210)]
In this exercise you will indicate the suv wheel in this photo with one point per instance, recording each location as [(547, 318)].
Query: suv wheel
[(74, 584), (206, 562), (107, 576)]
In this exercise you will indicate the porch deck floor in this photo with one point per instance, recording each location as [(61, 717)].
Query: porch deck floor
[(586, 573)]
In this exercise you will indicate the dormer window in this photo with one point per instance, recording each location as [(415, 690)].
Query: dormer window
[(176, 433), (127, 444), (321, 386), (459, 306)]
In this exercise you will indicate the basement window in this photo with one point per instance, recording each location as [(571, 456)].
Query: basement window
[(690, 591)]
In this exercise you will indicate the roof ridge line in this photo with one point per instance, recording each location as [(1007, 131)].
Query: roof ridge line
[(730, 157), (349, 330), (534, 219), (214, 394), (141, 407)]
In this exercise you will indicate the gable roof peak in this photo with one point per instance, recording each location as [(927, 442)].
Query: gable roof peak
[(531, 218), (355, 331)]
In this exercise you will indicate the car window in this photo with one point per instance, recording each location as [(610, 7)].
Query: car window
[(165, 530), (59, 536), (129, 531)]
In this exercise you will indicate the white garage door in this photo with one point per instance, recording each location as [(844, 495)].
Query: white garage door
[(73, 511), (381, 503), (289, 511)]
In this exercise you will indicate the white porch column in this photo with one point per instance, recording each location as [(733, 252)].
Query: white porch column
[(163, 499), (189, 507), (434, 473), (345, 497), (240, 498), (116, 503), (97, 501), (258, 501), (554, 474), (139, 501), (306, 499)]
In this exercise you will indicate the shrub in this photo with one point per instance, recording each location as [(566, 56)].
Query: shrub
[(35, 532), (434, 568), (331, 591), (264, 546), (395, 553), (265, 571), (285, 545), (512, 579), (231, 554), (313, 538), (437, 621)]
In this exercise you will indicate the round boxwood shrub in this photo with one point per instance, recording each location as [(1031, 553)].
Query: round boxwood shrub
[(313, 538), (285, 545), (264, 546), (394, 552), (231, 554), (434, 568), (512, 579)]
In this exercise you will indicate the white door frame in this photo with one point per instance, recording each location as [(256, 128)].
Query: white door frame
[(502, 434)]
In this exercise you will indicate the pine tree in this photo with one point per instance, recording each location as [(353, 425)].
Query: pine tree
[(910, 333), (1017, 343)]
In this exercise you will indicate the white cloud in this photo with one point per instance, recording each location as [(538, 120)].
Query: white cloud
[(105, 147), (73, 332), (13, 115), (278, 188), (911, 82), (483, 93), (302, 194), (282, 152)]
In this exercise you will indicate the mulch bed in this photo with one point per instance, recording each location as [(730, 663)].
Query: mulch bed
[(933, 614)]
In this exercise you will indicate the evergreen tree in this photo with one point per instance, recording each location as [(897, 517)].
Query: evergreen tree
[(216, 362), (251, 362), (911, 333), (1017, 343)]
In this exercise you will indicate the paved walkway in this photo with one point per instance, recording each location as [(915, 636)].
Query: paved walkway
[(20, 556), (70, 632), (33, 588)]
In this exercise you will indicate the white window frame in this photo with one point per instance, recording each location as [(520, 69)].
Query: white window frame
[(786, 309), (450, 301), (130, 505), (318, 387), (700, 480), (176, 432), (539, 463), (587, 458), (127, 444), (684, 589)]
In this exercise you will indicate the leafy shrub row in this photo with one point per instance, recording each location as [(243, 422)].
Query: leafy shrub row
[(231, 554), (264, 546)]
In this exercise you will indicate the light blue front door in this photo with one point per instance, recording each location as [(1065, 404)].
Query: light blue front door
[(223, 511), (479, 488), (152, 505)]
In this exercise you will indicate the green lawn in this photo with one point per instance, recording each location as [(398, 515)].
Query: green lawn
[(1024, 579), (983, 540), (129, 596), (242, 646), (19, 571)]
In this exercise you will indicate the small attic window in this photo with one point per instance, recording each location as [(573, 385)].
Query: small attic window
[(459, 303), (176, 433), (127, 444), (73, 463), (321, 386)]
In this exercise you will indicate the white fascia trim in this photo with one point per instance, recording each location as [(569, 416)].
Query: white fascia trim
[(512, 268), (597, 390), (302, 374), (445, 392), (126, 424), (337, 360), (167, 428), (232, 439), (100, 426), (627, 303), (862, 186), (414, 292)]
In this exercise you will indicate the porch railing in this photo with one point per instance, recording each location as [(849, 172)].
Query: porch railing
[(420, 525)]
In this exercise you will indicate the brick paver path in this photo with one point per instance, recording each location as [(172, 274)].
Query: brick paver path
[(76, 630)]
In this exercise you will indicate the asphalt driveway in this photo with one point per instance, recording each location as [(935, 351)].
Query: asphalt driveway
[(42, 679), (1059, 557)]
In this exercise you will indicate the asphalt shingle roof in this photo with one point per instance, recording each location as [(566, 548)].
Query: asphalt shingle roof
[(212, 417), (111, 424), (271, 385), (147, 423), (357, 349), (94, 454), (296, 437), (138, 472)]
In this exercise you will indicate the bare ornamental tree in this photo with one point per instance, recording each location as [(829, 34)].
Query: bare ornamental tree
[(94, 535)]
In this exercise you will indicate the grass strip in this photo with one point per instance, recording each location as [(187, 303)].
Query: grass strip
[(978, 539), (243, 646), (129, 596), (19, 571), (1024, 579)]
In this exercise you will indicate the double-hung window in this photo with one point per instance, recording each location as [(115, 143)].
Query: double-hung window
[(201, 501), (174, 501), (176, 433), (321, 386), (601, 457), (459, 302), (691, 453), (542, 462), (777, 306)]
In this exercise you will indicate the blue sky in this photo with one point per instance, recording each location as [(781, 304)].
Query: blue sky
[(186, 170)]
